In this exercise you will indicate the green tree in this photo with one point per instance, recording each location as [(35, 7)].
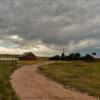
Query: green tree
[(77, 56)]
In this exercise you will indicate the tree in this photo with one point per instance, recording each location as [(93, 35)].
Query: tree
[(77, 56), (94, 53), (63, 55), (71, 56)]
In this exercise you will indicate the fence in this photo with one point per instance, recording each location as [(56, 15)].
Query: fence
[(9, 61)]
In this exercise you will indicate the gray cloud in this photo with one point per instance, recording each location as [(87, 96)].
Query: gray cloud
[(56, 23)]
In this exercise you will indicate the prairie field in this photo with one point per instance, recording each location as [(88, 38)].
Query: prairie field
[(6, 70), (28, 62), (6, 91), (75, 75)]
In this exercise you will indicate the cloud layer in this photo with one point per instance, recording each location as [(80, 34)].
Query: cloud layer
[(46, 26)]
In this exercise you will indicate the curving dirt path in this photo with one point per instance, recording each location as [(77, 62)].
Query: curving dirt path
[(30, 85)]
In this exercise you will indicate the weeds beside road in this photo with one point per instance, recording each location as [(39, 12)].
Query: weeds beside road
[(82, 76)]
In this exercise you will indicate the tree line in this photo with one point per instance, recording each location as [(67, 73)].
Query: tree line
[(72, 56)]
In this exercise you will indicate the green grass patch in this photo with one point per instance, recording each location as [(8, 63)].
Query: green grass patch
[(82, 76), (6, 91), (6, 69), (8, 55)]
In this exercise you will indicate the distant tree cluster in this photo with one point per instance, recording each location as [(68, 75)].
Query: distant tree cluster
[(72, 56)]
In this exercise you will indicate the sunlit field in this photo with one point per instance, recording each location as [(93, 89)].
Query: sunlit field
[(81, 76)]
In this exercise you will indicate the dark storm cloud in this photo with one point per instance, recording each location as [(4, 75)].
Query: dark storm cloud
[(53, 22)]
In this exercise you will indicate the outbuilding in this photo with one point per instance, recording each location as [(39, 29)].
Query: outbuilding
[(28, 56)]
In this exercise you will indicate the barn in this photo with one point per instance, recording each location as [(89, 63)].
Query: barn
[(28, 56)]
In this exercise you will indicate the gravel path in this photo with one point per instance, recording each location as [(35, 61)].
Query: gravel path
[(30, 85)]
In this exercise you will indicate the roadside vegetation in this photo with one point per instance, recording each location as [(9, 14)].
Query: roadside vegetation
[(6, 91), (6, 70), (79, 75)]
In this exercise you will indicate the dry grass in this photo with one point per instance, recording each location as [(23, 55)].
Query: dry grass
[(82, 76), (6, 91)]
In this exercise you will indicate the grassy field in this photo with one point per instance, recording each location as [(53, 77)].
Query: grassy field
[(8, 55), (6, 69), (6, 91), (81, 76)]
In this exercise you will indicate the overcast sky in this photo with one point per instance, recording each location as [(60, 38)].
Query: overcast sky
[(45, 27)]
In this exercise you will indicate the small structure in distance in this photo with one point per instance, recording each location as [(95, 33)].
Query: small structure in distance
[(28, 56)]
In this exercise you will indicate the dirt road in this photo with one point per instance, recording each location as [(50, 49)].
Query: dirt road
[(30, 85)]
